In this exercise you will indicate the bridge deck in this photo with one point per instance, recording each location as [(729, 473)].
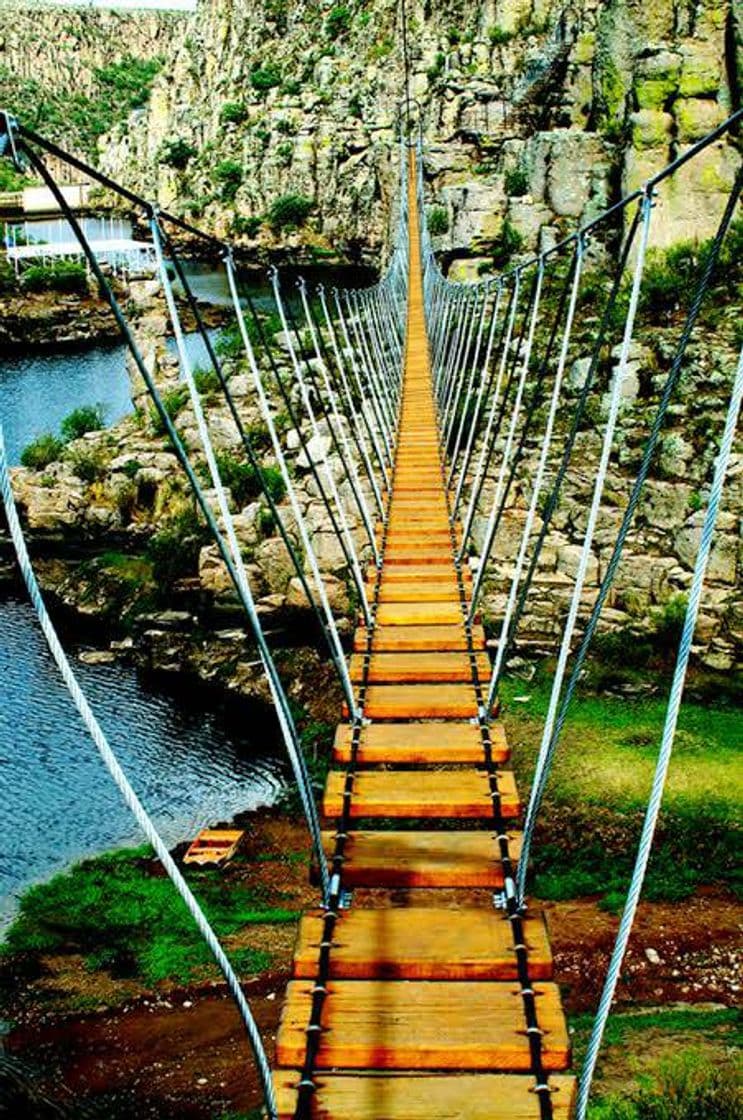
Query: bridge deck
[(422, 987)]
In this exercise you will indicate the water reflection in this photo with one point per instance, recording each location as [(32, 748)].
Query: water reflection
[(190, 766)]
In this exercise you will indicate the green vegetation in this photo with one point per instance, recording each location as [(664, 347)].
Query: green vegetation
[(60, 276), (87, 418), (601, 778), (89, 465), (291, 211), (338, 21), (174, 401), (263, 78), (666, 1065), (244, 482), (122, 914), (233, 112), (516, 182), (176, 153), (434, 72), (79, 119), (42, 451), (47, 448), (229, 174), (10, 179), (438, 221), (508, 243), (498, 36), (174, 550), (248, 226)]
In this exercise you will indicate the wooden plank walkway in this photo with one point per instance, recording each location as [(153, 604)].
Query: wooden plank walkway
[(423, 1015)]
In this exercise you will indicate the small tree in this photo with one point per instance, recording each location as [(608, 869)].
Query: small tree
[(229, 174), (233, 112), (176, 153), (338, 21), (289, 212), (86, 418), (438, 221)]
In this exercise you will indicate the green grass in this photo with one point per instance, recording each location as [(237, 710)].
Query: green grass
[(123, 915), (599, 786), (675, 1064)]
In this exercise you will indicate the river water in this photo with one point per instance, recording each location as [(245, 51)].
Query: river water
[(190, 765)]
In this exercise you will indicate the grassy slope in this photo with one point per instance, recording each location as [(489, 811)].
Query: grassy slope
[(600, 783)]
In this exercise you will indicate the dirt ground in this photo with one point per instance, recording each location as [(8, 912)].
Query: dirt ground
[(183, 1053)]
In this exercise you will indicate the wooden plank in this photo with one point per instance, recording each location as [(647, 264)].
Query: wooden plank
[(421, 793), (422, 943), (419, 743), (423, 858), (407, 572), (428, 592), (435, 552), (418, 667), (418, 614), (469, 1096), (443, 638), (420, 701), (387, 1024)]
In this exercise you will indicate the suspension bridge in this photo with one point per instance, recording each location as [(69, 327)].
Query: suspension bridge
[(423, 981)]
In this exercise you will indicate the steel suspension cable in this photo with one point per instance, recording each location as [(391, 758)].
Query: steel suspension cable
[(125, 788), (544, 755), (557, 718), (579, 412), (666, 746)]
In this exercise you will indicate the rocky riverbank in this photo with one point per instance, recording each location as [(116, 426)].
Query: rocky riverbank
[(46, 321)]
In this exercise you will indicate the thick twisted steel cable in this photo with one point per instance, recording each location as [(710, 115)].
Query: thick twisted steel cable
[(276, 688), (539, 475), (551, 503), (666, 747), (546, 748), (241, 587), (549, 743), (124, 786)]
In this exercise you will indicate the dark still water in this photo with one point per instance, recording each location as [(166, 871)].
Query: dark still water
[(37, 392), (190, 766)]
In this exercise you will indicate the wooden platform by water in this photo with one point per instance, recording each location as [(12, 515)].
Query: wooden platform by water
[(423, 1017)]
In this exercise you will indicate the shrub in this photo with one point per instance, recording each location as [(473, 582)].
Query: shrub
[(263, 78), (498, 35), (233, 112), (249, 226), (516, 183), (245, 482), (434, 72), (87, 418), (206, 381), (509, 242), (88, 465), (229, 174), (174, 549), (289, 212), (61, 276), (338, 21), (285, 151), (292, 86), (688, 1087), (42, 451), (176, 153), (8, 282), (174, 400), (438, 221)]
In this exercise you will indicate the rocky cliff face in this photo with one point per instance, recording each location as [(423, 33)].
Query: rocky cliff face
[(536, 114), (72, 73)]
